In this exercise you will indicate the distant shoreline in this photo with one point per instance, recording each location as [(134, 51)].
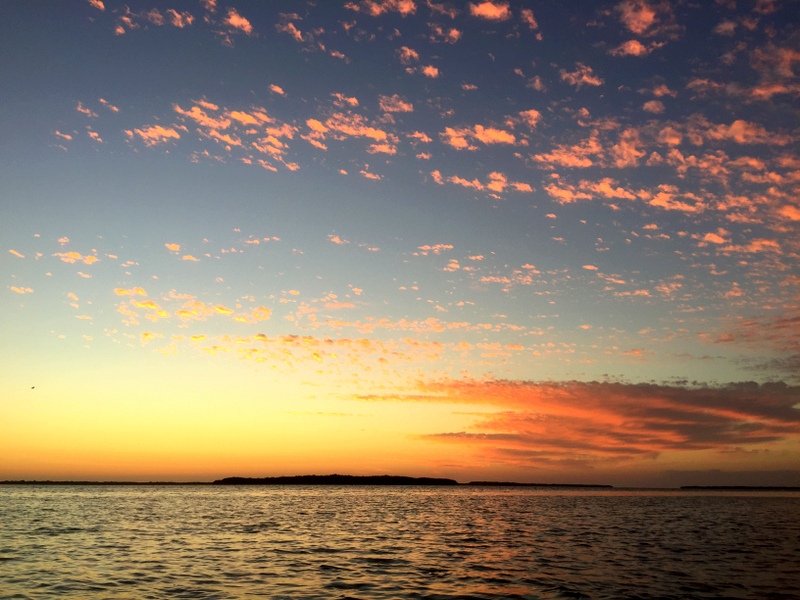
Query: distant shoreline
[(384, 480)]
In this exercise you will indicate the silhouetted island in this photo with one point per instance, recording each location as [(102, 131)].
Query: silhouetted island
[(336, 479)]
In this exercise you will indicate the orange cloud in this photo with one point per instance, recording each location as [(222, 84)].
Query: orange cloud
[(458, 137), (21, 290), (395, 103), (531, 117), (201, 117), (745, 132), (578, 155), (236, 21), (407, 55), (375, 8), (276, 89), (430, 71), (173, 247), (634, 48), (439, 34), (435, 249), (653, 106), (526, 15), (493, 11), (582, 75), (647, 18), (627, 151), (179, 20), (541, 424), (17, 254), (154, 134)]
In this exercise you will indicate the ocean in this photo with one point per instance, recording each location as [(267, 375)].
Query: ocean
[(182, 541)]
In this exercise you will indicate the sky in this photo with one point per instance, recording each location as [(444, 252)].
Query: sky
[(529, 241)]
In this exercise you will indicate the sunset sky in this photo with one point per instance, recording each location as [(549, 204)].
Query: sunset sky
[(531, 241)]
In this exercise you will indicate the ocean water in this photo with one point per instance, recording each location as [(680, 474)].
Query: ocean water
[(158, 542)]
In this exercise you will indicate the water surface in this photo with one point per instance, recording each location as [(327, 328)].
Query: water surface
[(395, 542)]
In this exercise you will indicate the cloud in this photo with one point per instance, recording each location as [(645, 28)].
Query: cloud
[(543, 423), (21, 290), (580, 155), (526, 16), (376, 8), (582, 75), (17, 254), (276, 89), (395, 103), (291, 29), (154, 134), (627, 151), (338, 240), (73, 257), (634, 48), (237, 22), (457, 138), (407, 55), (745, 132), (493, 11), (137, 291), (435, 249), (98, 4), (179, 20), (646, 18), (531, 117), (430, 71), (439, 34), (654, 106)]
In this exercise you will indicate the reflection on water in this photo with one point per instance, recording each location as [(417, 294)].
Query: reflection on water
[(396, 542)]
